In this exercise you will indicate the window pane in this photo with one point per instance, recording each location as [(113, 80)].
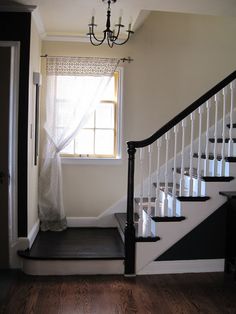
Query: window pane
[(104, 142), (105, 116), (90, 122), (84, 142), (109, 93), (69, 149)]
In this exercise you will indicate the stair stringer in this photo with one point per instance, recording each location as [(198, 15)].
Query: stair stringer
[(172, 232)]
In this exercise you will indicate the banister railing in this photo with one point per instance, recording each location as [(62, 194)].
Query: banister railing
[(168, 127)]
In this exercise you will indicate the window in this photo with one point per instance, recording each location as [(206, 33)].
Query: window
[(100, 136)]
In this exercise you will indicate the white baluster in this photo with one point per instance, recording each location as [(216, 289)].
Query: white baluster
[(200, 111), (157, 201), (192, 118), (230, 144), (147, 223), (149, 178), (140, 212), (225, 91), (215, 133), (165, 203), (173, 213), (182, 158), (206, 164)]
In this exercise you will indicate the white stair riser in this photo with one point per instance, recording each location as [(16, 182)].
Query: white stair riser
[(72, 267)]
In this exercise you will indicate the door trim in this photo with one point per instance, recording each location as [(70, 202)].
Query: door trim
[(13, 149)]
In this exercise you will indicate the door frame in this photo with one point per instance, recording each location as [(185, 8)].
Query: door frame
[(13, 149)]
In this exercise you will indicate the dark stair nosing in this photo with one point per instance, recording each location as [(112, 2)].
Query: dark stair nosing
[(233, 126), (168, 219), (219, 158), (207, 178), (165, 218), (220, 140), (193, 198), (229, 194), (121, 218)]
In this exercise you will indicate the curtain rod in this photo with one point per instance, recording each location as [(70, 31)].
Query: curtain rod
[(128, 59)]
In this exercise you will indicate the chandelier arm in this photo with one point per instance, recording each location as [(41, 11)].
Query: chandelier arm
[(99, 42), (120, 44), (117, 35)]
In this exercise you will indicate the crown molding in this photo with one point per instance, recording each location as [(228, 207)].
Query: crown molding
[(39, 23)]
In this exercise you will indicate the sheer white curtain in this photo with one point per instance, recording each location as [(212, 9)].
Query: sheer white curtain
[(74, 87)]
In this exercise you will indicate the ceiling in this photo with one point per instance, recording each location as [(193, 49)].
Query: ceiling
[(61, 19)]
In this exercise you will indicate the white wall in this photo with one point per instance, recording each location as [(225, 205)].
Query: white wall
[(177, 58), (35, 66)]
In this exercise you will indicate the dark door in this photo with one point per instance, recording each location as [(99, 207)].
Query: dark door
[(5, 66)]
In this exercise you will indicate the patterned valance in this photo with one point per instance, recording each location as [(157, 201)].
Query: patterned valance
[(78, 66)]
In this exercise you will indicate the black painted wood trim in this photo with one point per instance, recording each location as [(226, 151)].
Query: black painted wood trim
[(168, 219), (220, 140), (185, 112), (230, 159), (147, 239), (234, 125), (217, 179), (193, 198), (229, 194)]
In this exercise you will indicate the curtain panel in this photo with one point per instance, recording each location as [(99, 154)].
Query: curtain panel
[(73, 92)]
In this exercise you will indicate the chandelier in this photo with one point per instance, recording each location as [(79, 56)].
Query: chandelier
[(112, 36)]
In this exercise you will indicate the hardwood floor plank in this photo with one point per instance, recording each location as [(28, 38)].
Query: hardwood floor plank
[(211, 293)]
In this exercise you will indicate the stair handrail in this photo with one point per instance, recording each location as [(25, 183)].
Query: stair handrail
[(183, 114), (132, 145)]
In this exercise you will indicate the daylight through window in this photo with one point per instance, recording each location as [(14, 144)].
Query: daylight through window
[(98, 138)]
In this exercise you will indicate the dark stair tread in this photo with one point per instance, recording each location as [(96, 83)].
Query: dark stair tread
[(77, 244), (229, 194), (220, 140), (121, 218), (211, 157), (165, 218), (234, 125), (206, 178)]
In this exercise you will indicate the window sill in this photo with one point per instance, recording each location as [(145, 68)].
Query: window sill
[(91, 161)]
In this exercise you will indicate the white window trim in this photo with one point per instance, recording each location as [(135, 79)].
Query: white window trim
[(106, 161)]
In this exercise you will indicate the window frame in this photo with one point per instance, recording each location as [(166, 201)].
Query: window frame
[(105, 159)]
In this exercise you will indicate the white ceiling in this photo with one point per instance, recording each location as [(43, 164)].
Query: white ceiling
[(69, 18)]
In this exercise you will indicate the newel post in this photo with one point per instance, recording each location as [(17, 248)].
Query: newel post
[(129, 228)]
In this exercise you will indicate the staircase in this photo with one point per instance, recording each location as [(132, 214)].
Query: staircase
[(175, 178)]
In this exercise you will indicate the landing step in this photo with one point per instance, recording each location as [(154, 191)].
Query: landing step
[(121, 218), (77, 244), (220, 140), (211, 157), (206, 178)]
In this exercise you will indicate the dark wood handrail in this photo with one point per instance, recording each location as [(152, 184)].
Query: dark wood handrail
[(184, 113)]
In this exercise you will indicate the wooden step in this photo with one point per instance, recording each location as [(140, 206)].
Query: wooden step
[(220, 140), (77, 244), (229, 194), (206, 178), (211, 157), (233, 126), (121, 218), (164, 218)]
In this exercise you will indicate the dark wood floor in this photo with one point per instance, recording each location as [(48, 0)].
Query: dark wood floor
[(213, 293)]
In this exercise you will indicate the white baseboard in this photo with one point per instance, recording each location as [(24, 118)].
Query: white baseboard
[(186, 266)]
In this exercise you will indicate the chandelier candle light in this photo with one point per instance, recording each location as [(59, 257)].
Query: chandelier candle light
[(112, 37)]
